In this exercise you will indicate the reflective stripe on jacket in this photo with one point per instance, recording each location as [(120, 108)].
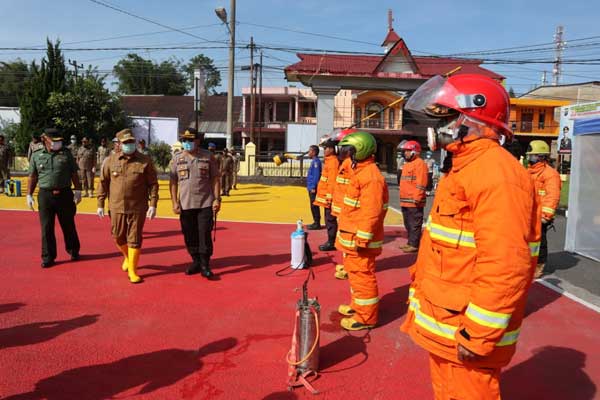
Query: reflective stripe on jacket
[(474, 265), (547, 185), (342, 180), (327, 181), (413, 183), (360, 224)]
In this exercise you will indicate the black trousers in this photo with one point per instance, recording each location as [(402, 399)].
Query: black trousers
[(413, 222), (331, 225), (316, 213), (197, 225), (543, 245), (59, 205)]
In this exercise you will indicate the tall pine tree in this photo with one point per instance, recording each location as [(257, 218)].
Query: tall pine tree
[(50, 76)]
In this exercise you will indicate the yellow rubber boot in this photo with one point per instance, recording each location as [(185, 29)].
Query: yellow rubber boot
[(124, 250), (134, 257)]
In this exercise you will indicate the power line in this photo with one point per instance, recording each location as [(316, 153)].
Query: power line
[(151, 21)]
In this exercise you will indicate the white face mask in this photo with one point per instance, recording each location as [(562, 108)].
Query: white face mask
[(56, 146)]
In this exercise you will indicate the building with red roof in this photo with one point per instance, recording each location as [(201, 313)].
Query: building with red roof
[(375, 81)]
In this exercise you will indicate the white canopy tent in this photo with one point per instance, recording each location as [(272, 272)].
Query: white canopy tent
[(583, 223)]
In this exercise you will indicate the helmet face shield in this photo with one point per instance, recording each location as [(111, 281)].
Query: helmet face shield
[(433, 98)]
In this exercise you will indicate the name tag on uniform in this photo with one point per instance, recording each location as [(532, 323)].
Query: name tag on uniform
[(183, 171)]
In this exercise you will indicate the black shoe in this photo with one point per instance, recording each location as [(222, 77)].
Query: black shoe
[(314, 226), (75, 257), (327, 246), (206, 272), (47, 264), (192, 269)]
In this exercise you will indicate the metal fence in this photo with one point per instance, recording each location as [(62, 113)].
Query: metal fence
[(293, 167)]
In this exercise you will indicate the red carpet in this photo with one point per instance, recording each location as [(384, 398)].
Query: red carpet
[(81, 331)]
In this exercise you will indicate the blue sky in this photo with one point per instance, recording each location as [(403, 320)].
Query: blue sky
[(427, 26)]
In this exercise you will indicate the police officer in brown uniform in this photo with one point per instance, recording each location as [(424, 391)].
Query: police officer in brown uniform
[(128, 178), (102, 153), (227, 169), (86, 161), (195, 185)]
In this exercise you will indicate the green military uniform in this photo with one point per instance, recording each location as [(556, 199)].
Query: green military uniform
[(54, 171)]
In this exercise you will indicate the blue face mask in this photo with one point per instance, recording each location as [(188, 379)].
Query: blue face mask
[(188, 146), (128, 148)]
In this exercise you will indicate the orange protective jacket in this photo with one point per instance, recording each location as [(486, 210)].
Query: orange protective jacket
[(476, 258), (547, 185), (327, 181), (413, 183), (342, 180), (360, 224)]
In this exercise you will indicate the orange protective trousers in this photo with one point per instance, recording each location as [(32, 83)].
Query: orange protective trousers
[(363, 287), (452, 381)]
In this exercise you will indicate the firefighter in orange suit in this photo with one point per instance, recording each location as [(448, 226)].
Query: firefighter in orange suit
[(325, 190), (342, 180), (360, 234), (547, 185), (413, 186), (475, 261)]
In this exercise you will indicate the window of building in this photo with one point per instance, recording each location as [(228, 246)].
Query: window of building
[(392, 119), (282, 110), (357, 116), (307, 109), (375, 121), (542, 120)]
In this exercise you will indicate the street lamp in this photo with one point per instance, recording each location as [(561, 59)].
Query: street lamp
[(222, 14)]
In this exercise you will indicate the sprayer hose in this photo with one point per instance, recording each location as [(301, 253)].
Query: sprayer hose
[(314, 346)]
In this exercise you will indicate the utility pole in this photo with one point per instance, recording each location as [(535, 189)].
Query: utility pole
[(544, 78), (199, 88), (558, 50), (74, 64), (252, 90), (260, 110)]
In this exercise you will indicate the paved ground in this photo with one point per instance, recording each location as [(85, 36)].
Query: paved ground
[(81, 331)]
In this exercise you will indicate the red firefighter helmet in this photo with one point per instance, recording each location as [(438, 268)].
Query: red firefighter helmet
[(475, 96), (411, 145)]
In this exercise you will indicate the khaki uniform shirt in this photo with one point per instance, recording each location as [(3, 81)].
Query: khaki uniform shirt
[(128, 181), (103, 153), (74, 149), (194, 175), (86, 158), (53, 168), (227, 164)]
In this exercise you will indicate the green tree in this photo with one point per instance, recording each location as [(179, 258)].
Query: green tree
[(511, 92), (161, 155), (212, 74), (87, 108), (12, 82), (138, 75), (47, 78)]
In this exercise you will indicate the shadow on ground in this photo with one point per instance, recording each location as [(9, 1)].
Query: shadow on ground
[(152, 371), (38, 332), (552, 373)]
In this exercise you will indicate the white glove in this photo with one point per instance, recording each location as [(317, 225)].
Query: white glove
[(77, 196), (30, 202), (151, 212), (100, 212)]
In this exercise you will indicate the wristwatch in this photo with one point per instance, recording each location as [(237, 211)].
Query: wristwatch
[(218, 199)]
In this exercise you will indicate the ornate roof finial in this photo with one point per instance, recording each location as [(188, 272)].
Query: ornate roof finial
[(390, 20)]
